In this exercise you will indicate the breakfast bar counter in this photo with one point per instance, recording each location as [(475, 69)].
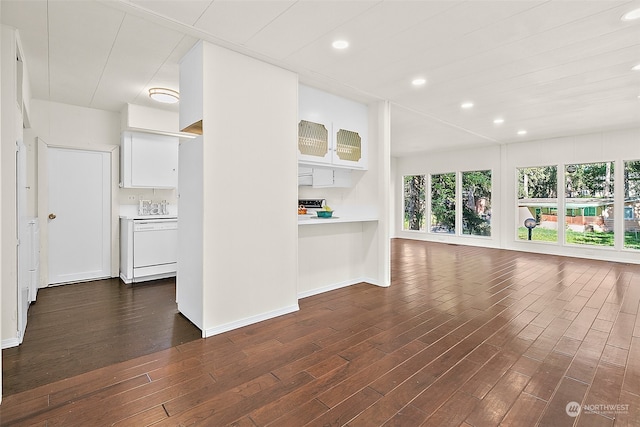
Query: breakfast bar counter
[(312, 219)]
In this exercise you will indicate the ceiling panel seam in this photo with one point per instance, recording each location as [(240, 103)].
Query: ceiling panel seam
[(104, 67)]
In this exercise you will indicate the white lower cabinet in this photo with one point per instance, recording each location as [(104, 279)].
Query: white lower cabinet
[(148, 249)]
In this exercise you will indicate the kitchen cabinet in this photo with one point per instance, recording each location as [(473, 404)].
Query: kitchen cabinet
[(332, 130), (320, 177), (148, 160), (148, 249)]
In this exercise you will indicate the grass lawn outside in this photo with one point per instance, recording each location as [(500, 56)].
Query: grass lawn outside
[(631, 240)]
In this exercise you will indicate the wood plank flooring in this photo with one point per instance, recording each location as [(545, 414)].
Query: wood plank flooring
[(463, 337), (77, 328)]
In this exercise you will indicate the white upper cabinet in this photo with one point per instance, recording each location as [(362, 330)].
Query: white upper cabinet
[(331, 130), (148, 160)]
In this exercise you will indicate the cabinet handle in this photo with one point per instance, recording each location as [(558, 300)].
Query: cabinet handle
[(52, 216)]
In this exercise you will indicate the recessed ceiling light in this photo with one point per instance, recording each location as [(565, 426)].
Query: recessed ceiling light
[(164, 95), (466, 105), (498, 121), (631, 15), (340, 44), (635, 67), (522, 132), (419, 81)]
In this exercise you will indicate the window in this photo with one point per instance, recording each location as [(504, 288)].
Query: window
[(443, 203), (632, 204), (414, 202), (538, 199), (476, 203), (589, 192), (628, 212)]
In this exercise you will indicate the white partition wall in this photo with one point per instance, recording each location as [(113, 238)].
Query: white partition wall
[(248, 165)]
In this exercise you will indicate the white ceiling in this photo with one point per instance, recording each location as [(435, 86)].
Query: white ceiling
[(554, 68)]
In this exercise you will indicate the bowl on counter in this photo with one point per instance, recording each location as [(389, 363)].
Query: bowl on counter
[(325, 214)]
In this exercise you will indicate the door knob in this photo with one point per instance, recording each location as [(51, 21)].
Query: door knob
[(52, 216)]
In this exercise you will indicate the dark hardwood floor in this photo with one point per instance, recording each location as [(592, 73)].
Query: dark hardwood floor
[(77, 328), (463, 337)]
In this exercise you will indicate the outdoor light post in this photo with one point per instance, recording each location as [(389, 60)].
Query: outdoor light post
[(530, 223)]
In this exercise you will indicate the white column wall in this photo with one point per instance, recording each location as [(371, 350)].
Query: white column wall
[(8, 225), (617, 145), (376, 246), (250, 190), (1, 215)]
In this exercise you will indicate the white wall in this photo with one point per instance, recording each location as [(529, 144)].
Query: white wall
[(1, 180), (503, 160), (487, 158), (11, 132), (139, 117), (68, 126), (249, 193), (335, 255), (597, 147), (63, 125)]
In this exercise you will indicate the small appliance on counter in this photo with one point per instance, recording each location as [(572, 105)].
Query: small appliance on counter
[(306, 205), (314, 208)]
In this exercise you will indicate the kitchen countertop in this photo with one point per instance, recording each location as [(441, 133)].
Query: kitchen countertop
[(131, 212), (148, 216), (312, 219)]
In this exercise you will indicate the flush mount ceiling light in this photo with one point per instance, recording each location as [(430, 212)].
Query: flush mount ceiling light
[(466, 105), (631, 15), (522, 132), (164, 95), (340, 44), (498, 121), (419, 81)]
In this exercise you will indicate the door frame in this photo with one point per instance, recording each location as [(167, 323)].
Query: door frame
[(43, 203)]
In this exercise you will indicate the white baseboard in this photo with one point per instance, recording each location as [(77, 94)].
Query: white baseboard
[(335, 286), (249, 321), (331, 287), (10, 342), (375, 282)]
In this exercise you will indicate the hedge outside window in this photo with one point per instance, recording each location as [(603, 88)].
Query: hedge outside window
[(414, 202), (443, 203), (476, 203)]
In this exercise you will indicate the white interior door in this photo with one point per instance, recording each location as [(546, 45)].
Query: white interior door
[(79, 220)]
